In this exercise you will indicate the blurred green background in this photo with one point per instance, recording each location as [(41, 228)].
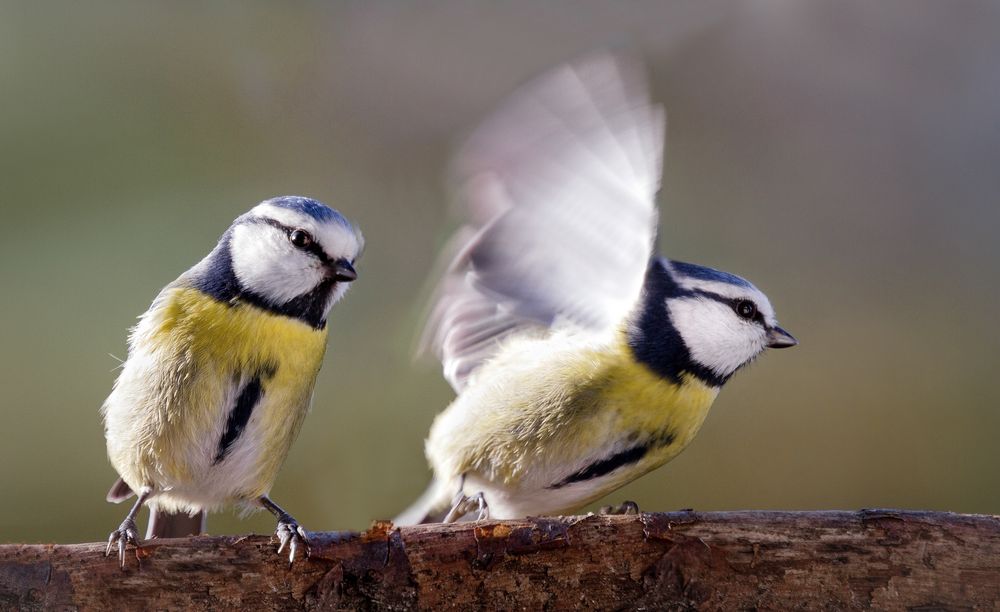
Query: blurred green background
[(843, 155)]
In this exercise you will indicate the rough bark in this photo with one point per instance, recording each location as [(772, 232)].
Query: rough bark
[(882, 559)]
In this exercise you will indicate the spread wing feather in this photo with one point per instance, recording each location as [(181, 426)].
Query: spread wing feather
[(558, 189)]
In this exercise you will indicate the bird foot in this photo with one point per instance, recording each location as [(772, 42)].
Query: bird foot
[(127, 533), (626, 507), (292, 535), (464, 505)]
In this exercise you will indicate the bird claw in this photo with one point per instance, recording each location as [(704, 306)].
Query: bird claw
[(126, 533), (464, 505), (292, 535), (626, 507), (482, 507)]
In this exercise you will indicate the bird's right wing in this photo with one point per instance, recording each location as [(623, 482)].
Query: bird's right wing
[(558, 190)]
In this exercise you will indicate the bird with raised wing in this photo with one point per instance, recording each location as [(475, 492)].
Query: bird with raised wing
[(581, 359)]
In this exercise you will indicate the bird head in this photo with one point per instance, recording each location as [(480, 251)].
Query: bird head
[(724, 320), (293, 255), (703, 321)]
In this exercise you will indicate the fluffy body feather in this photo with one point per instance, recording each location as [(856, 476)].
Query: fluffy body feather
[(190, 357), (581, 359), (550, 408)]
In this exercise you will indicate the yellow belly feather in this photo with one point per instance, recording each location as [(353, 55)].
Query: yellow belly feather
[(203, 345), (541, 406)]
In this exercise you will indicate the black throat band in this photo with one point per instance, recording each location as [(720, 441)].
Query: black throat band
[(216, 277), (654, 339)]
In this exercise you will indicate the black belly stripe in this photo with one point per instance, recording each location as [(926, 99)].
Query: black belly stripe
[(604, 467), (240, 416)]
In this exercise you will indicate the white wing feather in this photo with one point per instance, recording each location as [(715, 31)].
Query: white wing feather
[(558, 186)]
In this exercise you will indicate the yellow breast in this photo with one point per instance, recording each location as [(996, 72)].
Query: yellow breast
[(646, 402), (240, 334), (543, 406), (206, 346), (669, 414)]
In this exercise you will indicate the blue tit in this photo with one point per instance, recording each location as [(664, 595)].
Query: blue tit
[(581, 359), (221, 369)]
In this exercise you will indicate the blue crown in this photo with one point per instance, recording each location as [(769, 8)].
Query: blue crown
[(317, 210), (708, 274)]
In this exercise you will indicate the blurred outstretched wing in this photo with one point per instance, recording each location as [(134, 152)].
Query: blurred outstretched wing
[(558, 188)]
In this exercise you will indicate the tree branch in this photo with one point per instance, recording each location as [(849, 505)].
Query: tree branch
[(769, 560)]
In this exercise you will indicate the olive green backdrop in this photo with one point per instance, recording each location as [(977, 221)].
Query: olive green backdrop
[(845, 156)]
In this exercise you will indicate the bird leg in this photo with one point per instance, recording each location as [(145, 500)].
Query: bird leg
[(462, 505), (626, 507), (289, 532), (127, 532)]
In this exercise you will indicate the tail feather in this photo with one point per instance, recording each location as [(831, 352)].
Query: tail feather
[(119, 492), (163, 524), (430, 507)]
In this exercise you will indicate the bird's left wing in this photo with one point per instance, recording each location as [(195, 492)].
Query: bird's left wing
[(558, 189)]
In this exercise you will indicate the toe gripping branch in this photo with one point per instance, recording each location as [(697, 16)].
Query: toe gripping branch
[(127, 533), (463, 505), (626, 508), (288, 532)]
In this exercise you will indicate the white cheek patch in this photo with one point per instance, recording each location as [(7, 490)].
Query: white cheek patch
[(266, 263), (715, 336)]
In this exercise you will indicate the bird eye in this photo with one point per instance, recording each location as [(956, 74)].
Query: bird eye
[(746, 309), (300, 238)]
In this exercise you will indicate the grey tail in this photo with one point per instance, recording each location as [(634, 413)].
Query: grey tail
[(119, 492), (430, 507), (163, 524)]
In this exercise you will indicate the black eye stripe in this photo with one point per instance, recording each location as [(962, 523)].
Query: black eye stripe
[(313, 247), (733, 303)]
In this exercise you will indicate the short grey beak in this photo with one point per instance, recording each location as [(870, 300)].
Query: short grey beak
[(779, 338), (343, 271)]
